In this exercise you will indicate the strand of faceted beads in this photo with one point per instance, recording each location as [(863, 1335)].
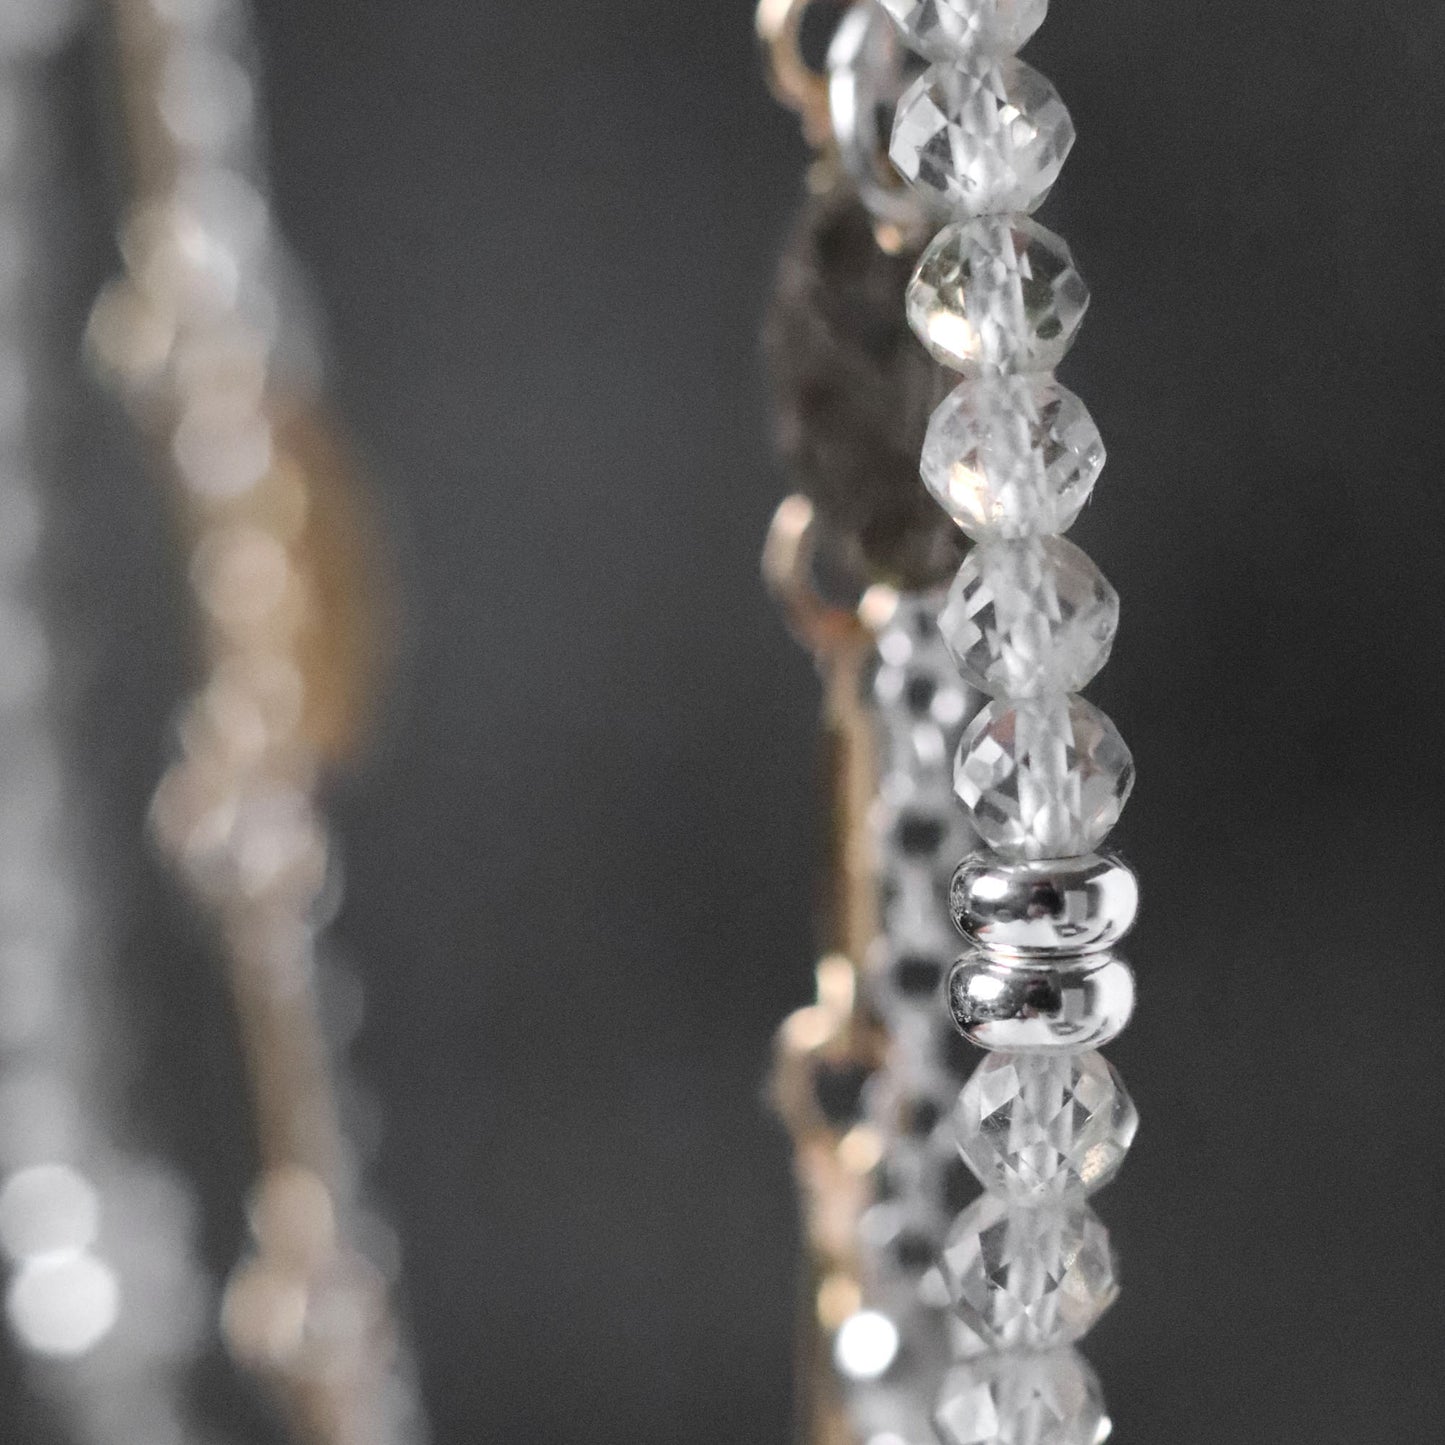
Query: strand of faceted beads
[(1012, 456)]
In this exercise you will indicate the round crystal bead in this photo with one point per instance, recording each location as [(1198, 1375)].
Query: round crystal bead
[(1012, 456), (1049, 1399), (1028, 618), (945, 28), (1027, 1278), (997, 294), (1045, 1126), (1046, 778), (982, 139)]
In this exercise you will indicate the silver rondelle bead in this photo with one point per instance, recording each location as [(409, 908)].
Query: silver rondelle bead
[(1051, 908), (1021, 1007)]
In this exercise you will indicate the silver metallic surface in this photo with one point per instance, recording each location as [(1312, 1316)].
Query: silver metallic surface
[(869, 68), (1018, 1006), (1049, 908)]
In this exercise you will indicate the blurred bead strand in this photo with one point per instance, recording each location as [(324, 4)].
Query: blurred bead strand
[(873, 1067), (207, 337), (1012, 458), (867, 1074), (105, 1297), (920, 708), (826, 1052)]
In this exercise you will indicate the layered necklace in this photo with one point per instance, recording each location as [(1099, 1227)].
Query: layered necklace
[(933, 1316), (209, 339)]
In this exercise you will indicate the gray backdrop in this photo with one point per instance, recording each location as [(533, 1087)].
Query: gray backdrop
[(580, 860)]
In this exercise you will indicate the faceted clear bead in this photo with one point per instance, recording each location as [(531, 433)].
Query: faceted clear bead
[(1027, 1278), (1012, 456), (1042, 1126), (1043, 779), (1049, 1399), (997, 294), (982, 139), (946, 28), (1028, 618)]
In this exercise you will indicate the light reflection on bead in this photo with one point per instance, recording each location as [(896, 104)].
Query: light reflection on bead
[(225, 455), (1046, 778), (866, 1345), (869, 69), (180, 263), (263, 1313), (1012, 456), (947, 29), (920, 706), (1029, 1007), (1029, 618), (289, 1319), (129, 337), (1044, 774), (1043, 1127), (1048, 1399), (982, 139), (997, 294), (1044, 908), (293, 1216), (263, 843), (205, 98), (1028, 1278)]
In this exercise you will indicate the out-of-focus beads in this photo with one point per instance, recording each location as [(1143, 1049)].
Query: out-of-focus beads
[(997, 294)]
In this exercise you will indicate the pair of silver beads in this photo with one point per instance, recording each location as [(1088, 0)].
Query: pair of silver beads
[(1043, 975)]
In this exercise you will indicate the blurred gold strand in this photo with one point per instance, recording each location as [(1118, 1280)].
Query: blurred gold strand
[(851, 390), (282, 564), (793, 81), (836, 1033), (104, 1297)]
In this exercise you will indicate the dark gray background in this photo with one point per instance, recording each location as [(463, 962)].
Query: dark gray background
[(580, 859)]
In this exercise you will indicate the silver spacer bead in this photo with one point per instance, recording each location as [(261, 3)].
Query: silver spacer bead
[(1018, 1007), (1050, 908)]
